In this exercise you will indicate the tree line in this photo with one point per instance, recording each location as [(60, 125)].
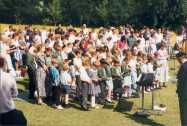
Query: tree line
[(95, 12)]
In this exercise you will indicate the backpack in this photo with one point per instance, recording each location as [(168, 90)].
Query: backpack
[(54, 76)]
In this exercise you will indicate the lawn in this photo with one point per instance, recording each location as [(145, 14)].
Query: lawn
[(108, 116)]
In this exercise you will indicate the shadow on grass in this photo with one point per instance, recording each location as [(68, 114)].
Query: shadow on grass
[(76, 104), (123, 106), (23, 82), (143, 121), (23, 96)]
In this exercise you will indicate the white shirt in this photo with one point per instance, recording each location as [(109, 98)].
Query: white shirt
[(3, 48), (66, 78), (179, 39), (84, 75), (77, 61), (158, 37), (150, 68), (143, 68), (132, 64), (44, 35), (8, 91), (147, 68), (72, 38), (142, 44)]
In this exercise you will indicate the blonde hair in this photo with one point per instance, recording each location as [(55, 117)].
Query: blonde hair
[(86, 62)]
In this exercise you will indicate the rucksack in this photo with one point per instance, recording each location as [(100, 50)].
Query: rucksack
[(54, 76)]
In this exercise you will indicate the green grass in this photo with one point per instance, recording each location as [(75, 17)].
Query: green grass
[(47, 116)]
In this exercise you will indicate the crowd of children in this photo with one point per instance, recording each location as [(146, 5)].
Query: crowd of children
[(96, 65)]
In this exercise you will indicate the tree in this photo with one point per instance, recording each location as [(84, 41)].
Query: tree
[(95, 12), (102, 11), (55, 11)]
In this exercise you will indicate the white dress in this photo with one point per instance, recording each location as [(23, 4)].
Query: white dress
[(162, 56)]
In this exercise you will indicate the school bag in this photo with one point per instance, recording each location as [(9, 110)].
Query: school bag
[(54, 76)]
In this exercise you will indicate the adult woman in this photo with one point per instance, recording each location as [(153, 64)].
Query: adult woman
[(40, 73)]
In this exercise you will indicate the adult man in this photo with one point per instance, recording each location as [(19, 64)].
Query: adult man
[(182, 87), (8, 114)]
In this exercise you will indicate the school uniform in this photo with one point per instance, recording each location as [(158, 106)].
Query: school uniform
[(109, 82), (94, 88), (65, 77), (117, 80), (101, 72), (126, 75), (77, 62), (84, 86)]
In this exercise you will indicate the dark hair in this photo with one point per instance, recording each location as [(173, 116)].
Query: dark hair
[(123, 38), (2, 62), (103, 61)]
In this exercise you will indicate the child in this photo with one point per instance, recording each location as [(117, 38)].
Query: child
[(157, 70), (67, 83), (133, 66), (117, 80), (150, 70), (105, 75), (85, 82), (55, 82), (125, 69), (92, 73), (162, 57)]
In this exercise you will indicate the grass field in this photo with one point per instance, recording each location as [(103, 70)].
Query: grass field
[(109, 116)]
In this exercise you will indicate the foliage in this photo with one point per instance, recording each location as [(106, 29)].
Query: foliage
[(55, 10), (95, 12), (102, 10)]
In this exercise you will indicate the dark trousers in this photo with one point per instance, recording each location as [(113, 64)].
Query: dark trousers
[(102, 95), (84, 91), (13, 118), (118, 90), (13, 62), (56, 93), (183, 111), (78, 83), (32, 82)]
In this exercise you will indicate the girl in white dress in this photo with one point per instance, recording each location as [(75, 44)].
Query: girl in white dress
[(162, 58), (133, 66)]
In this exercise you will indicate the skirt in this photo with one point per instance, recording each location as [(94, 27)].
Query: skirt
[(67, 89), (40, 82), (91, 89), (97, 88)]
